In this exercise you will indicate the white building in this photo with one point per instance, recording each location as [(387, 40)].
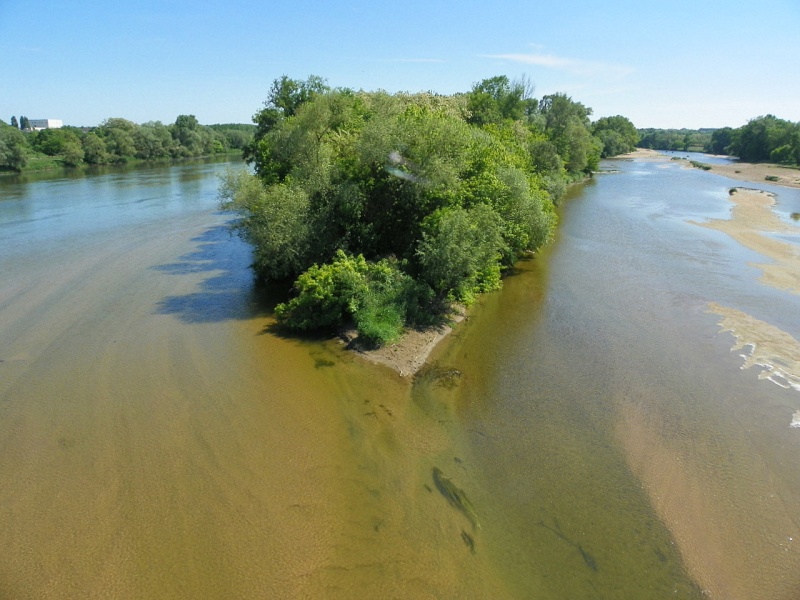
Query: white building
[(39, 124)]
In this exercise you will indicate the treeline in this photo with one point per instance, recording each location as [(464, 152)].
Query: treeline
[(763, 139), (384, 209), (685, 140), (119, 140)]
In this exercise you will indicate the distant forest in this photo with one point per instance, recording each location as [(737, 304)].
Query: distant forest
[(116, 141), (763, 139)]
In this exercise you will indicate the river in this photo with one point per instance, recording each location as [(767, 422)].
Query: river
[(160, 438)]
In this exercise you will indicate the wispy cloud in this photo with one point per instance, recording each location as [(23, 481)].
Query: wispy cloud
[(569, 65), (416, 60)]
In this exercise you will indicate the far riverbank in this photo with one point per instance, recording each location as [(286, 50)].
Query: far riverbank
[(753, 172)]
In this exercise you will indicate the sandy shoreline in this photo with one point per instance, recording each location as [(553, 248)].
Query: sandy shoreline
[(741, 171), (753, 224), (760, 173), (410, 353)]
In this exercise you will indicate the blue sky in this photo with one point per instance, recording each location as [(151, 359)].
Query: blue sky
[(674, 63)]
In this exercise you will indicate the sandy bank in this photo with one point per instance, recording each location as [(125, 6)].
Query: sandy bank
[(410, 353), (754, 225), (643, 154), (741, 171), (760, 173)]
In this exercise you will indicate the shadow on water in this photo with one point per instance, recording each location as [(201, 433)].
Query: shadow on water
[(226, 289)]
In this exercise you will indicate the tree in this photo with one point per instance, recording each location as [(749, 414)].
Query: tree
[(567, 126), (720, 141), (618, 134), (761, 136), (384, 208), (460, 250), (13, 148), (118, 137), (153, 140), (53, 141), (497, 98), (94, 149), (72, 153), (285, 98), (14, 122), (24, 124), (276, 220)]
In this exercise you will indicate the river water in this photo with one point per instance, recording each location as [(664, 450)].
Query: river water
[(594, 430)]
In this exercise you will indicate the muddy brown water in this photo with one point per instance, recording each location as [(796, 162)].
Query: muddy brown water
[(593, 433)]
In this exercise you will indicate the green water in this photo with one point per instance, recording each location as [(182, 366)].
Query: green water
[(586, 433)]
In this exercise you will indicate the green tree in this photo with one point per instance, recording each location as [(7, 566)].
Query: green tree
[(782, 155), (117, 135), (567, 126), (152, 140), (14, 122), (373, 294), (276, 220), (460, 252), (72, 153), (53, 142), (94, 149), (757, 140), (720, 141), (618, 134), (13, 148), (386, 207), (119, 144), (285, 96), (497, 98)]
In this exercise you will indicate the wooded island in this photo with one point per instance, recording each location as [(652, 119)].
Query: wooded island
[(385, 209)]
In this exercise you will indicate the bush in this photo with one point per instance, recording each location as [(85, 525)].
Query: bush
[(460, 253), (373, 295)]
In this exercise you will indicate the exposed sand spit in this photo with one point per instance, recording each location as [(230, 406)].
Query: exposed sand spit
[(753, 224)]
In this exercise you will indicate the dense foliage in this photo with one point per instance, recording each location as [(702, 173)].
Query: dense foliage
[(119, 140), (618, 135), (685, 140), (13, 148), (763, 139), (386, 208)]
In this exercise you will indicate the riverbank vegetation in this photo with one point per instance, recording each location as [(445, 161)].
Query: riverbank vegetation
[(762, 139), (385, 209), (117, 141), (684, 140)]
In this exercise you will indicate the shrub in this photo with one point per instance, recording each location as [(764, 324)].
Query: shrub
[(375, 295)]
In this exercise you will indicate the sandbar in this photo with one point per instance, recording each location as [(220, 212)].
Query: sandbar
[(759, 173), (754, 172), (754, 224), (410, 353)]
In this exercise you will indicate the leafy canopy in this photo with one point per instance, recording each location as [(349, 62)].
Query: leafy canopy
[(385, 208)]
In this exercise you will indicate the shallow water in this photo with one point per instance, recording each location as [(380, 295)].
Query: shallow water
[(597, 436), (602, 396)]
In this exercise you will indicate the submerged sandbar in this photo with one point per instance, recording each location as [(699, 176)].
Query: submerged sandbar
[(753, 224)]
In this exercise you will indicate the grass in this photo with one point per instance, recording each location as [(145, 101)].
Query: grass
[(43, 163)]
